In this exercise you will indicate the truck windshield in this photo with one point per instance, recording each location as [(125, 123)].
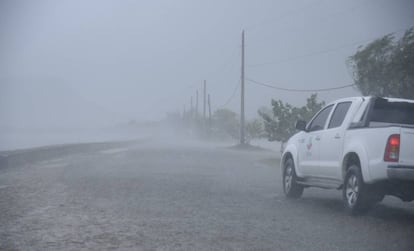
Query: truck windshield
[(399, 112)]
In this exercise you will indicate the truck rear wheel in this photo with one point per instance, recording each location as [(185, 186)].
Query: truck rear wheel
[(290, 186), (356, 195)]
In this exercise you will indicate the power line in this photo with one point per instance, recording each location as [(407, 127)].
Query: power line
[(298, 90), (224, 67), (287, 13), (286, 60), (306, 7), (311, 54), (236, 88)]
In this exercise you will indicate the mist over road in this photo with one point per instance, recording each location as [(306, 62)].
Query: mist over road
[(154, 196)]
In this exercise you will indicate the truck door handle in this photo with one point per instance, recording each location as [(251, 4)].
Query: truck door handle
[(337, 136), (317, 138)]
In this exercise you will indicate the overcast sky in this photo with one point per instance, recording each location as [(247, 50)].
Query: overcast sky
[(141, 59)]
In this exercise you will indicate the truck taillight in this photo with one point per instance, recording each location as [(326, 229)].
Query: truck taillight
[(392, 150)]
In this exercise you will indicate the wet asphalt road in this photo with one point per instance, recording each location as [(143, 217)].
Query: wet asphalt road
[(157, 197)]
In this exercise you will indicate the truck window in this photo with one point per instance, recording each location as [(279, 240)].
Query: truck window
[(339, 114), (319, 121), (398, 112)]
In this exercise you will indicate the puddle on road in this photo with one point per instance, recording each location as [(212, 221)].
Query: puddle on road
[(53, 163), (114, 151)]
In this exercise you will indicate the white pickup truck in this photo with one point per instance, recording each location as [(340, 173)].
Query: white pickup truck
[(362, 145)]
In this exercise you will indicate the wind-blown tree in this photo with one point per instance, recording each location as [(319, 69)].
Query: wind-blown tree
[(254, 129), (312, 106), (279, 123), (385, 67)]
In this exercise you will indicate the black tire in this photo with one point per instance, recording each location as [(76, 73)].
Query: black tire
[(357, 196), (291, 188)]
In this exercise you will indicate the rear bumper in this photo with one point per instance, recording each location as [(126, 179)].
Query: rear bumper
[(400, 172)]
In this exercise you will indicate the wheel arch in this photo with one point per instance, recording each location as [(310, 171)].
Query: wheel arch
[(285, 157), (356, 156), (290, 152), (349, 159)]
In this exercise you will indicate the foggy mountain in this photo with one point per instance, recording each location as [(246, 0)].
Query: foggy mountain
[(48, 103)]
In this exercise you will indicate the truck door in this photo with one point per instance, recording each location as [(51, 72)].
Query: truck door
[(332, 141), (309, 148)]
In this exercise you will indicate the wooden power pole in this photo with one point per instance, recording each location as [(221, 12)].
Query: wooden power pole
[(204, 102), (242, 119), (196, 106), (209, 112), (192, 108)]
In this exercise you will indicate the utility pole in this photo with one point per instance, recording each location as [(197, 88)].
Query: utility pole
[(209, 113), (242, 120), (204, 102), (196, 104), (192, 108)]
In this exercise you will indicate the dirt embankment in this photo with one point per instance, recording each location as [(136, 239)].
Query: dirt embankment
[(20, 157)]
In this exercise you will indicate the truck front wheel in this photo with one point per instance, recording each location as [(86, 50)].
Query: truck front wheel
[(290, 187)]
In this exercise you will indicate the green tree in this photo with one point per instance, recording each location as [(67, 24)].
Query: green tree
[(385, 67), (312, 106), (279, 123), (254, 129)]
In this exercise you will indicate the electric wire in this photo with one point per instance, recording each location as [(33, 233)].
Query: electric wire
[(316, 53), (236, 88), (298, 90), (287, 13)]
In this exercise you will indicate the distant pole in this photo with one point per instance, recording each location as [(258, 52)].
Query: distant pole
[(209, 112), (192, 108), (242, 121), (204, 102), (196, 112)]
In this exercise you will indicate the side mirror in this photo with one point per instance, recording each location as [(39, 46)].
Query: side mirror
[(301, 125)]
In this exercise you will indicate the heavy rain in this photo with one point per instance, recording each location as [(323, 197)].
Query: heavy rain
[(206, 125)]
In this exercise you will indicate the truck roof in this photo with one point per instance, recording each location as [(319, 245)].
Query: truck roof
[(370, 97)]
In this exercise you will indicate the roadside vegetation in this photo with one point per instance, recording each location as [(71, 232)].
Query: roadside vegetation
[(223, 124), (384, 67)]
